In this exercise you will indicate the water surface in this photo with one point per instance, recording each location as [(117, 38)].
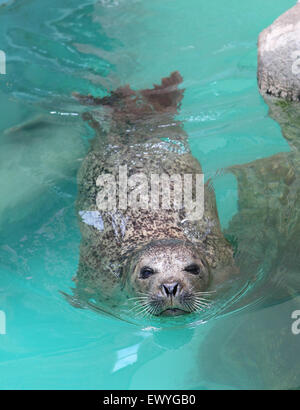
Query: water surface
[(92, 47)]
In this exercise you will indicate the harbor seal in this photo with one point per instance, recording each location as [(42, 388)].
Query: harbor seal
[(157, 261)]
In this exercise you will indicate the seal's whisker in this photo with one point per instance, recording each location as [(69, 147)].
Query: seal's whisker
[(205, 297), (155, 307), (205, 293), (202, 309), (188, 306), (141, 313), (204, 300), (201, 306), (193, 305), (151, 310), (139, 303), (156, 310), (202, 303), (144, 312), (193, 297), (139, 306), (198, 308), (138, 298)]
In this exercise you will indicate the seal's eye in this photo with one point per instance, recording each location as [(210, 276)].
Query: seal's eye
[(194, 269), (146, 272)]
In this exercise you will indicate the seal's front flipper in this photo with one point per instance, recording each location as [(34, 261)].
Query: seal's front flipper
[(266, 228)]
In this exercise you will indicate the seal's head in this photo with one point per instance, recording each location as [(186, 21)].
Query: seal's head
[(168, 277)]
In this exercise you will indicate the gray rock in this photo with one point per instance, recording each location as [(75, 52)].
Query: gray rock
[(279, 57)]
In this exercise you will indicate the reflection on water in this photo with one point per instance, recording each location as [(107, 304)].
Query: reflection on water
[(245, 340), (268, 217), (126, 357)]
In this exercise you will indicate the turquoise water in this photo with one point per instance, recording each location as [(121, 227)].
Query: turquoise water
[(93, 46)]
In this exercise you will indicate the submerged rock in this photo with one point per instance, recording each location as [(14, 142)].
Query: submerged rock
[(279, 57)]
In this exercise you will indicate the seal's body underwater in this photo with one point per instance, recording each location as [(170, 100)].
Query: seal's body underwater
[(157, 257)]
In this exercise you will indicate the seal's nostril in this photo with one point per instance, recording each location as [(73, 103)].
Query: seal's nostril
[(170, 289)]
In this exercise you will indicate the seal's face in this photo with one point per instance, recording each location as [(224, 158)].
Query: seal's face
[(168, 279)]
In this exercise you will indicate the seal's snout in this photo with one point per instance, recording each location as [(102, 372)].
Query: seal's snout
[(171, 289)]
